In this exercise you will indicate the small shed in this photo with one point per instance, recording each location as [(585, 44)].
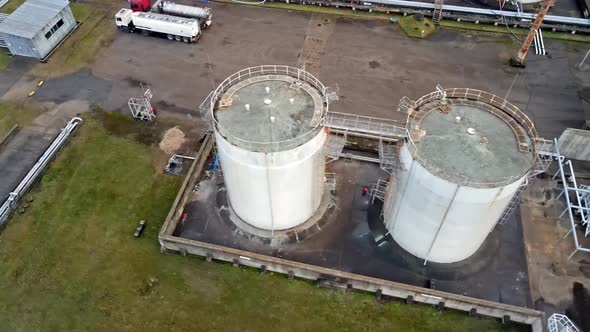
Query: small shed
[(37, 27)]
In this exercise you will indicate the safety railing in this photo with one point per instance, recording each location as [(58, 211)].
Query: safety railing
[(207, 108), (486, 98), (376, 127)]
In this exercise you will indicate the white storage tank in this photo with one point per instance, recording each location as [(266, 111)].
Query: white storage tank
[(269, 137), (467, 154)]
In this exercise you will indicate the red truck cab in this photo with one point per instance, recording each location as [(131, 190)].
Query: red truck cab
[(140, 5)]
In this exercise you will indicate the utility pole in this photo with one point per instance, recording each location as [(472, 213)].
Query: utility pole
[(519, 60)]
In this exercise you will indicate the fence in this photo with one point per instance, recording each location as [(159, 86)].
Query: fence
[(207, 108), (516, 119)]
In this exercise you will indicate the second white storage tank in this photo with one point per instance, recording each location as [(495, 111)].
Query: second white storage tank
[(467, 154)]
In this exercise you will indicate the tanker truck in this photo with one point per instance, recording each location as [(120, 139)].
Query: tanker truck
[(204, 15), (174, 28)]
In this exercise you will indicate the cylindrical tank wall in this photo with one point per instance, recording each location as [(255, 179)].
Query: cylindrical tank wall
[(274, 191), (440, 221)]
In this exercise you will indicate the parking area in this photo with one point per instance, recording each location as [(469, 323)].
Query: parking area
[(373, 63)]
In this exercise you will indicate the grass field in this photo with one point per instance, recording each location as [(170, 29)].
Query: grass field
[(70, 262), (4, 59), (12, 113), (11, 6), (416, 29)]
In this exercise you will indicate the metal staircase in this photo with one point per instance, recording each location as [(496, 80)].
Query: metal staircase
[(513, 204), (545, 150), (330, 180), (437, 13), (388, 157), (378, 191), (561, 323), (333, 147)]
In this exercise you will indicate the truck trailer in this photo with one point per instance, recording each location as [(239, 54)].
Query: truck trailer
[(174, 28), (204, 15)]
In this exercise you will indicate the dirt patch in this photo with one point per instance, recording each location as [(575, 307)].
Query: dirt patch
[(173, 139), (143, 132)]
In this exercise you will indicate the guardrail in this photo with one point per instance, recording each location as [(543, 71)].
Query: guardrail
[(15, 196), (459, 13), (208, 106), (9, 136), (376, 128), (347, 280), (509, 113), (380, 287)]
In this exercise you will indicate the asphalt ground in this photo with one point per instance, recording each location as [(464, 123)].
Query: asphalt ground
[(346, 241), (372, 62)]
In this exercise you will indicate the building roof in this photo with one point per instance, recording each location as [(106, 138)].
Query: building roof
[(575, 144), (28, 19)]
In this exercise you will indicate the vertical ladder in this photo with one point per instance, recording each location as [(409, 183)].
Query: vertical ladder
[(513, 204), (330, 180), (437, 13)]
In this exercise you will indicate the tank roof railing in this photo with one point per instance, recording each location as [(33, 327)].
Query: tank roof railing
[(207, 108), (487, 98), (475, 95)]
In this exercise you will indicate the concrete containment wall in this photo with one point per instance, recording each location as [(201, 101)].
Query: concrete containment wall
[(171, 243), (438, 220), (274, 191), (335, 278)]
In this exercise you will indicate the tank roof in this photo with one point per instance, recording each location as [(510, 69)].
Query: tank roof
[(247, 113), (470, 142)]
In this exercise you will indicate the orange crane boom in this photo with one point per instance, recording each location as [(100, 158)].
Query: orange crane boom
[(519, 60)]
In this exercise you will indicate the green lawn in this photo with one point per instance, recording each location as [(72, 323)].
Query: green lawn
[(416, 29), (80, 49), (11, 6), (4, 59), (70, 262), (12, 113)]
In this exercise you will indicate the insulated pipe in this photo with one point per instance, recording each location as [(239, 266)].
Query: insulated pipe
[(32, 175), (542, 42)]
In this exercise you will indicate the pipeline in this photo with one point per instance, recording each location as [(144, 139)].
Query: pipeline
[(484, 11), (14, 197), (459, 13)]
